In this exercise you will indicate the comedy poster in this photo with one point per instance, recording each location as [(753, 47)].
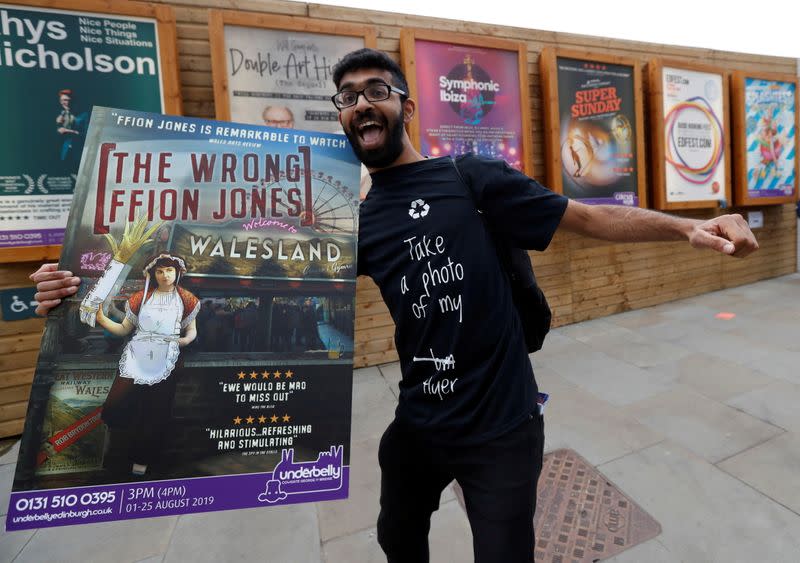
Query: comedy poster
[(694, 135), (597, 136), (469, 101), (206, 361), (284, 78), (771, 129), (54, 66)]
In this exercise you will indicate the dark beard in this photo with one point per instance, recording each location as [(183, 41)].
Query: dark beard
[(383, 156)]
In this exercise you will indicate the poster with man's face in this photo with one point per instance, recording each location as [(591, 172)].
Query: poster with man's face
[(282, 78)]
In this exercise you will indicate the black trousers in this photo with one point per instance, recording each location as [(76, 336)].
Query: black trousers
[(498, 479), (140, 412)]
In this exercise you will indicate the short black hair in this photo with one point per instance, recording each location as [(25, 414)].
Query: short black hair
[(369, 58)]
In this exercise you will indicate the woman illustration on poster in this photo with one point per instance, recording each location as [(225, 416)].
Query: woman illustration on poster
[(163, 318)]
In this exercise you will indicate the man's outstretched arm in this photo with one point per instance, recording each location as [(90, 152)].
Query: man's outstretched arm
[(728, 234)]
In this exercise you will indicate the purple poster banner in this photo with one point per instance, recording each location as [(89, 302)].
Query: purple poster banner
[(469, 101), (206, 360), (291, 482)]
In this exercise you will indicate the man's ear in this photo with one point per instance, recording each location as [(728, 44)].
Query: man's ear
[(340, 117), (409, 109)]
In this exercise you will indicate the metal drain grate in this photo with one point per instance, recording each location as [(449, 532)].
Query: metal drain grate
[(582, 517)]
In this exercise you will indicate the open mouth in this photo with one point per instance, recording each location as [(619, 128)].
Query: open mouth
[(369, 131)]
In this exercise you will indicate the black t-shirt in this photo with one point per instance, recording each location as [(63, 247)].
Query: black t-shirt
[(466, 373)]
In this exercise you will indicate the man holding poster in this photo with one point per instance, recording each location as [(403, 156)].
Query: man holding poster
[(467, 408)]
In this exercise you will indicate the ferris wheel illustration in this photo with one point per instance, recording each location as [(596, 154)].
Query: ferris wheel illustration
[(334, 208)]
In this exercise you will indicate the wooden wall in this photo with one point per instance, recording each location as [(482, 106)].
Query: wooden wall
[(583, 279)]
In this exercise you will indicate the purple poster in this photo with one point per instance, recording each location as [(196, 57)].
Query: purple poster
[(206, 361), (469, 101)]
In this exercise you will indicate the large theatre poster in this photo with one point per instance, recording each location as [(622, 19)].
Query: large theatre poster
[(278, 71), (55, 65), (472, 96), (691, 135), (593, 114), (767, 108), (206, 361)]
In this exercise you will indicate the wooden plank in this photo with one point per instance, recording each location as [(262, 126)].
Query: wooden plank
[(17, 359), (8, 328), (16, 377), (11, 428), (13, 411), (19, 343), (15, 394)]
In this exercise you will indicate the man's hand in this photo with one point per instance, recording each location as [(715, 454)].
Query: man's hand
[(728, 234), (52, 285)]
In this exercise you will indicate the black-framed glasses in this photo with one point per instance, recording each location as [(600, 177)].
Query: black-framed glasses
[(374, 92)]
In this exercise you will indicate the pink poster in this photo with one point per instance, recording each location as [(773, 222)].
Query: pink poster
[(469, 101)]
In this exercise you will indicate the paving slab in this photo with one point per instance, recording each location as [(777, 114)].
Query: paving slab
[(714, 377), (450, 541), (578, 420), (6, 481), (710, 429), (284, 533), (781, 363), (373, 404), (705, 514), (11, 455), (609, 379), (776, 404), (123, 541), (11, 543), (772, 468), (393, 375)]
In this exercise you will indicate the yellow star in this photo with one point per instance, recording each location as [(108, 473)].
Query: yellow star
[(277, 375), (286, 418), (289, 374), (237, 420), (249, 419), (262, 419), (273, 418), (265, 374), (253, 375), (241, 375)]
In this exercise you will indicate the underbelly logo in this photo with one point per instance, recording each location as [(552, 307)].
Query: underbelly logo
[(418, 209), (290, 478)]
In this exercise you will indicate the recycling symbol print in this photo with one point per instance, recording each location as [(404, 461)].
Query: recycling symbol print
[(418, 209)]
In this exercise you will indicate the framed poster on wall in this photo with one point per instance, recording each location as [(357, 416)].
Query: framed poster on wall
[(472, 93), (56, 65), (690, 144), (765, 118), (594, 143), (277, 70)]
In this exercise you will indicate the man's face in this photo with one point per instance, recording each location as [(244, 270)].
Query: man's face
[(64, 99), (277, 116), (375, 129)]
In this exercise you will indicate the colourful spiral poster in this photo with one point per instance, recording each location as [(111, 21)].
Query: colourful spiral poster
[(694, 135)]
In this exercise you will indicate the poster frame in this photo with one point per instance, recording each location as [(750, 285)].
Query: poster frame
[(739, 116), (658, 165), (170, 81), (218, 19), (408, 38), (552, 118)]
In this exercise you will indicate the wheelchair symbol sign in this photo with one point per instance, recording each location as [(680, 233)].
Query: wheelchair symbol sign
[(18, 303)]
